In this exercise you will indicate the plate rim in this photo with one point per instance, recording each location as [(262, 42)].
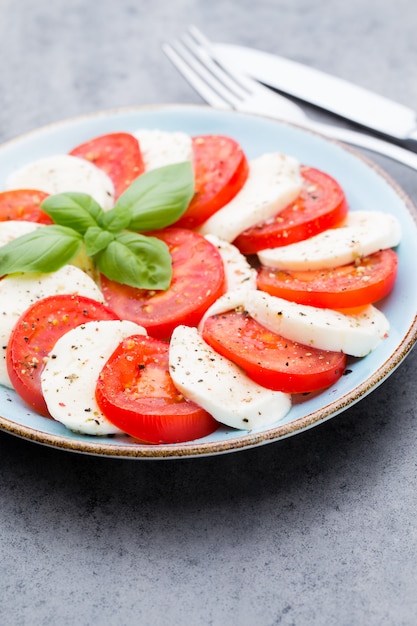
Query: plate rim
[(242, 441)]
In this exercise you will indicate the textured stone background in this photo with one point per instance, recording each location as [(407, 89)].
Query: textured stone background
[(314, 530)]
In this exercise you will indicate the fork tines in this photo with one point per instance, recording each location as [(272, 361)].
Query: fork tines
[(194, 58)]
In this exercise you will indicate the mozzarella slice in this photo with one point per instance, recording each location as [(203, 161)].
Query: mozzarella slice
[(19, 291), (71, 371), (15, 228), (219, 386), (161, 148), (356, 335), (238, 272), (274, 181), (64, 172), (363, 233)]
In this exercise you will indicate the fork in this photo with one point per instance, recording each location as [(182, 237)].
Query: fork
[(224, 88)]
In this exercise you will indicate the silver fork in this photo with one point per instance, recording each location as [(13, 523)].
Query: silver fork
[(223, 88)]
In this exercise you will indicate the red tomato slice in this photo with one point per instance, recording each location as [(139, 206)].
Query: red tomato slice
[(269, 359), (136, 393), (353, 285), (36, 333), (320, 205), (197, 281), (221, 170), (23, 204), (117, 154)]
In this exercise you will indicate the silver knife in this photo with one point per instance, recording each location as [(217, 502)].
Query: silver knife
[(332, 94)]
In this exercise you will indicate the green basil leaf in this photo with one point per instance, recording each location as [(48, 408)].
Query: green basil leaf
[(76, 210), (96, 239), (159, 197), (115, 220), (45, 250), (136, 260)]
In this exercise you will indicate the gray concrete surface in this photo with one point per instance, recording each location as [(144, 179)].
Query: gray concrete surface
[(319, 529)]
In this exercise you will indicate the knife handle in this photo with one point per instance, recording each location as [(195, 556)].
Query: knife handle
[(411, 142), (374, 144)]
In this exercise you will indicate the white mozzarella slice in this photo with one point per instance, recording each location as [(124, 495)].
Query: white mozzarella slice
[(274, 181), (15, 228), (71, 371), (356, 335), (363, 233), (19, 291), (219, 386), (161, 148), (238, 272), (62, 173)]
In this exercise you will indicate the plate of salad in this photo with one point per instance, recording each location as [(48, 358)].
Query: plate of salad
[(182, 282)]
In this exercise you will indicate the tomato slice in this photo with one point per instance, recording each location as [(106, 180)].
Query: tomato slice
[(117, 154), (197, 281), (221, 169), (320, 205), (23, 204), (136, 393), (352, 285), (36, 333), (269, 359)]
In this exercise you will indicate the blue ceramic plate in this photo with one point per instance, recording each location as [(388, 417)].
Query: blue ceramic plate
[(366, 187)]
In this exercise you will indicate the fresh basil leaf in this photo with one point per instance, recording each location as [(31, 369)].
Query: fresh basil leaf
[(76, 210), (45, 250), (159, 197), (115, 220), (96, 239), (136, 260)]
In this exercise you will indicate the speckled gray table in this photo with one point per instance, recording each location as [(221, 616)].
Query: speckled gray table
[(317, 529)]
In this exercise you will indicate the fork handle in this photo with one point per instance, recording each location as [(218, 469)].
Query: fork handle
[(374, 144)]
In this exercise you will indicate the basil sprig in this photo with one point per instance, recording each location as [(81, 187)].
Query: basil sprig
[(113, 239)]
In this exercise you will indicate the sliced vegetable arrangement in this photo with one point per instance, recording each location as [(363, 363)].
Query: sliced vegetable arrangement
[(128, 304)]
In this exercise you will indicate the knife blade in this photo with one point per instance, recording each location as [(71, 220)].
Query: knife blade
[(328, 92)]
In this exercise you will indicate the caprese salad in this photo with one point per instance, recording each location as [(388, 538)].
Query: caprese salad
[(158, 285)]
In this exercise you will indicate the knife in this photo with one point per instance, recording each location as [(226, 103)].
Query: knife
[(332, 94)]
